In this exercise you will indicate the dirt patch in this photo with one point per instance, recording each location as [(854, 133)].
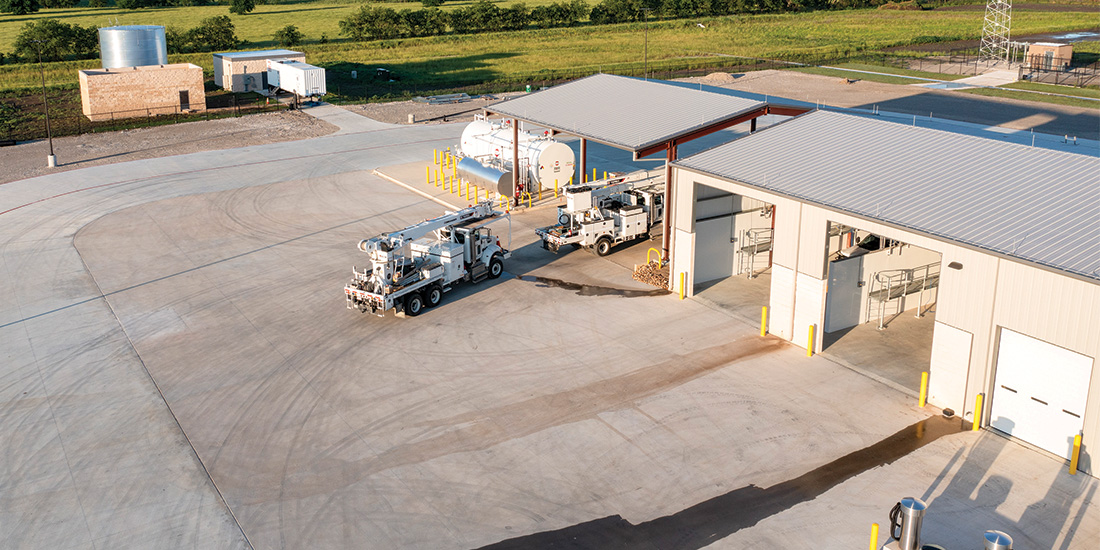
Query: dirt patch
[(398, 112), (28, 160)]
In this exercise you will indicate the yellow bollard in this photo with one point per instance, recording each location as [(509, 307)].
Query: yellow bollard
[(428, 175), (447, 160), (977, 413), (468, 192), (810, 343), (435, 156), (486, 193), (475, 194), (593, 174), (1076, 455), (764, 321), (528, 200), (540, 193), (555, 188), (605, 174), (660, 260), (923, 389), (874, 537), (681, 285)]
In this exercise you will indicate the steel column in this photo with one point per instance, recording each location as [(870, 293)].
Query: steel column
[(666, 238), (584, 161), (515, 157)]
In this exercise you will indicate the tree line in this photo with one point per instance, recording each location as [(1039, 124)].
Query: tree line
[(59, 41), (377, 22)]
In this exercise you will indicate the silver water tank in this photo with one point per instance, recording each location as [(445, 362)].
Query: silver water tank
[(132, 46)]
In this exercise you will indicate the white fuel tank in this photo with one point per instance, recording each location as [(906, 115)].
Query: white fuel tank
[(547, 160)]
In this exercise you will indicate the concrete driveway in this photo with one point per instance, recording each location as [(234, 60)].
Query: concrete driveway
[(180, 371)]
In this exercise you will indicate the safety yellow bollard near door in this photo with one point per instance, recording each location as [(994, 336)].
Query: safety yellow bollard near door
[(682, 285), (810, 343), (977, 413), (1075, 456), (874, 537), (764, 321), (923, 390)]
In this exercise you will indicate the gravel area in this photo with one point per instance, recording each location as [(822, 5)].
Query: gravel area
[(398, 112), (28, 159)]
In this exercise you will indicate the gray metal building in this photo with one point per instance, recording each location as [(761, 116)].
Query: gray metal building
[(857, 221)]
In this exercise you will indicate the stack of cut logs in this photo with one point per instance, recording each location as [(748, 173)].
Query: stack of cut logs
[(650, 274)]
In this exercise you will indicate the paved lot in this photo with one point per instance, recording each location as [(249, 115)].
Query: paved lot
[(180, 371)]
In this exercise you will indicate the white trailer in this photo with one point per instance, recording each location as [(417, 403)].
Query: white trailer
[(601, 214), (301, 79), (410, 269)]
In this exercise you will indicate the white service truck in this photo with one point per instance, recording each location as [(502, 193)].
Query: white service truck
[(601, 214), (410, 269)]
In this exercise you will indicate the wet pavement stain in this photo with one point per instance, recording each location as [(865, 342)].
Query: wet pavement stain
[(721, 516), (592, 290)]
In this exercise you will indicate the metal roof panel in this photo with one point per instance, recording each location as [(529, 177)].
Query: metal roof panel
[(1035, 204), (630, 113)]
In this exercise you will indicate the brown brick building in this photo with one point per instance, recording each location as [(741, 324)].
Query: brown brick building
[(141, 91)]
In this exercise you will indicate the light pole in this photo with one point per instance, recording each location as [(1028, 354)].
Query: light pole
[(51, 160), (645, 66)]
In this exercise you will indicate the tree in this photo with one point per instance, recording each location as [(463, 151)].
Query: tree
[(431, 3), (288, 36), (241, 7), (59, 3), (97, 3), (213, 33), (371, 23), (56, 40), (19, 7)]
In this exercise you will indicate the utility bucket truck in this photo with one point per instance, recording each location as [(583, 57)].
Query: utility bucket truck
[(410, 269), (600, 214)]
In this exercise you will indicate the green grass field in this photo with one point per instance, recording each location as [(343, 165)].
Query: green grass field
[(462, 60)]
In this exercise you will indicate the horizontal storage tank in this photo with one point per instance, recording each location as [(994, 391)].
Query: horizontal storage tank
[(547, 160), (486, 177), (132, 46), (301, 79)]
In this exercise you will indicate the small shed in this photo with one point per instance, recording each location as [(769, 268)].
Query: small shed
[(247, 71), (107, 94), (1049, 55)]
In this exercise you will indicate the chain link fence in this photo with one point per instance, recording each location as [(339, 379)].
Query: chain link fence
[(29, 122)]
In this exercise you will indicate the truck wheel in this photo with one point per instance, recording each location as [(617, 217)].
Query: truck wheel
[(563, 219), (496, 267), (433, 296), (414, 304), (603, 246)]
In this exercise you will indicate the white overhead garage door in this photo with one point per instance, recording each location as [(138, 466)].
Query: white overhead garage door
[(1040, 392)]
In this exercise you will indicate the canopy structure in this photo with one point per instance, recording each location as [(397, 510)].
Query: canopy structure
[(641, 116)]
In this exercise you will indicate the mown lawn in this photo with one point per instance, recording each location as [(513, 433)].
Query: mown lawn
[(461, 60)]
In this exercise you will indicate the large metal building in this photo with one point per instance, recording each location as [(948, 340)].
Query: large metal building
[(988, 251)]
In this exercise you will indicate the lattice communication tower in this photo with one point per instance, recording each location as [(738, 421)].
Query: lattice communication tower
[(995, 32)]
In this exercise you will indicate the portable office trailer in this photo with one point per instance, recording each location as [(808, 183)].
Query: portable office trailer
[(247, 71), (296, 77)]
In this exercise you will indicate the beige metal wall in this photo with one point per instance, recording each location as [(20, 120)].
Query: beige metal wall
[(986, 292)]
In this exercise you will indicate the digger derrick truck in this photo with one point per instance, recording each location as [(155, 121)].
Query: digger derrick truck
[(410, 269), (600, 214)]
